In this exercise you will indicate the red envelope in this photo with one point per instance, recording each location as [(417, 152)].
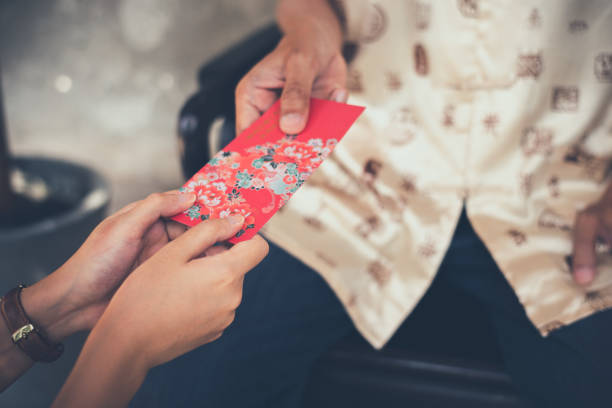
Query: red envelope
[(260, 170)]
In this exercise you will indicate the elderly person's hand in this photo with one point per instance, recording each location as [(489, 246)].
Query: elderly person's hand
[(307, 62), (592, 224)]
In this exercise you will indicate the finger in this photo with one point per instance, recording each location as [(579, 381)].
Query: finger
[(251, 102), (174, 229), (257, 91), (244, 256), (331, 83), (216, 250), (149, 210), (339, 95), (585, 236), (127, 208), (198, 239), (295, 98)]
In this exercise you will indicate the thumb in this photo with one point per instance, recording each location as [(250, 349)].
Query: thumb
[(585, 236), (198, 239), (145, 213)]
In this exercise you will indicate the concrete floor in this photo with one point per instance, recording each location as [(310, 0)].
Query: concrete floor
[(100, 82)]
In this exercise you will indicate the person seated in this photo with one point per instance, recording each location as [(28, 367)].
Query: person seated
[(481, 160)]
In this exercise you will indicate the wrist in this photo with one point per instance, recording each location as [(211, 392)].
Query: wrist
[(48, 304), (313, 24), (109, 370)]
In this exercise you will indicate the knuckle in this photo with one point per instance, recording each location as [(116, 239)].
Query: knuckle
[(240, 88), (225, 272), (236, 300), (106, 225), (264, 247), (229, 319), (294, 92), (215, 336), (154, 198), (217, 226), (303, 59)]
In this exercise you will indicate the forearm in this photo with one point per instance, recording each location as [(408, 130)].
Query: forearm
[(13, 362), (108, 372), (46, 305), (313, 19)]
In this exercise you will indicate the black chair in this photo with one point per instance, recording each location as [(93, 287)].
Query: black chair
[(437, 359)]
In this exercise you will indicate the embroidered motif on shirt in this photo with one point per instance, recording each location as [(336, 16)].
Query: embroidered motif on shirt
[(393, 81), (565, 98), (408, 184), (403, 126), (368, 225), (526, 184), (468, 8), (448, 116), (595, 167), (597, 300), (314, 223), (352, 301), (427, 249), (377, 24), (529, 66), (421, 65), (326, 259), (353, 81), (553, 186), (537, 141), (517, 236), (371, 169), (603, 67), (379, 272), (535, 19), (550, 219), (490, 122), (422, 15), (551, 326)]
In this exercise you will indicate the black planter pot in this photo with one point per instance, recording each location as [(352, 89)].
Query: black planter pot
[(30, 252)]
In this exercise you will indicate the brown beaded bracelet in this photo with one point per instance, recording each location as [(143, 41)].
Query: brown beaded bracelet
[(25, 334)]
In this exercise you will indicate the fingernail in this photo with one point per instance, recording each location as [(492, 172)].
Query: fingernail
[(236, 219), (340, 95), (290, 122), (584, 275), (187, 197)]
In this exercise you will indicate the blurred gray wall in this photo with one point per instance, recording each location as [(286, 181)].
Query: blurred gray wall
[(101, 81)]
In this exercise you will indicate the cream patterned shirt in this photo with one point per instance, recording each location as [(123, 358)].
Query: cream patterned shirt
[(499, 106)]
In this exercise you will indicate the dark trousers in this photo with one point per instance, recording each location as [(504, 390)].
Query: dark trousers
[(289, 317)]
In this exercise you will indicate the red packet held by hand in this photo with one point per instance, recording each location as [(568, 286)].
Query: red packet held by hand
[(259, 171)]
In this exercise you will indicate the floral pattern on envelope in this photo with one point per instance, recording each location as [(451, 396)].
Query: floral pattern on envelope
[(259, 171)]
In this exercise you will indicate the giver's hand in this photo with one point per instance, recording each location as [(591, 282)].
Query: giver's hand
[(73, 297), (592, 224), (174, 302), (307, 62)]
